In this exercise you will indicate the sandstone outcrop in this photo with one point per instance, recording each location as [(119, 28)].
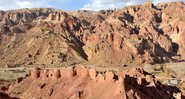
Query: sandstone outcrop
[(86, 83)]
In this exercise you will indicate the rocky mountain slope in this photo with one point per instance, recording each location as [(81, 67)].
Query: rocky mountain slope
[(133, 35)]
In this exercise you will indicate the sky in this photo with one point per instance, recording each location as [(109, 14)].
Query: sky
[(71, 5)]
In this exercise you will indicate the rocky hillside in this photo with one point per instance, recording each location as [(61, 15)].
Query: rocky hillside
[(133, 35)]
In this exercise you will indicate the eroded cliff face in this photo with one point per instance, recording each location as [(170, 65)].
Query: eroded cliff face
[(40, 37), (87, 83), (130, 36), (139, 34)]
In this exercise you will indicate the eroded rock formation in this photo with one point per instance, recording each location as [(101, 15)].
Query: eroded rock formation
[(130, 36), (87, 83)]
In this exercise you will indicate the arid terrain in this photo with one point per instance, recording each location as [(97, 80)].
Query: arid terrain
[(137, 52)]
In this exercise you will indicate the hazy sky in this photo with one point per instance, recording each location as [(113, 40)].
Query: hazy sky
[(73, 4)]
